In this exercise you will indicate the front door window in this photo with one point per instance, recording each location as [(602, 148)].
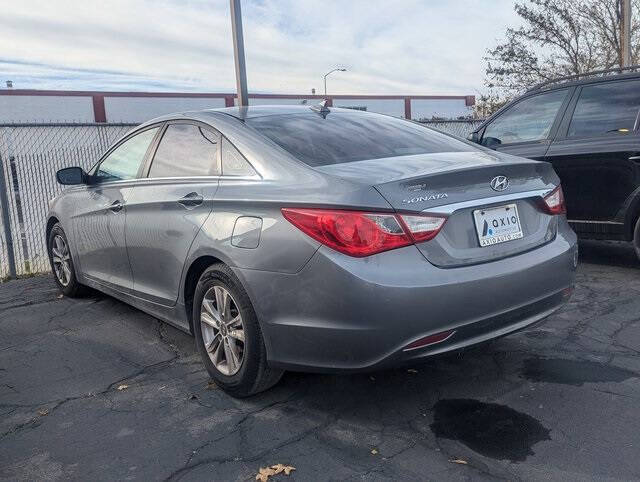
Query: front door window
[(529, 120)]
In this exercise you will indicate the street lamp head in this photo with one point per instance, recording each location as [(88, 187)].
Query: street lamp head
[(338, 69)]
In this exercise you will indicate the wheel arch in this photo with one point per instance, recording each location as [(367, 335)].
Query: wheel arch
[(196, 268), (632, 215), (51, 222)]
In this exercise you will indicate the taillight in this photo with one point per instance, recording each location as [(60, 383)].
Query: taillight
[(423, 228), (554, 202), (359, 233)]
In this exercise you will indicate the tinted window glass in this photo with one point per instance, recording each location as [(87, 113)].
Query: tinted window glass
[(234, 163), (606, 109), (124, 162), (528, 120), (186, 150), (346, 137)]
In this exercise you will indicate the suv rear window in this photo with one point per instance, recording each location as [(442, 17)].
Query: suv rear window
[(602, 109), (341, 137)]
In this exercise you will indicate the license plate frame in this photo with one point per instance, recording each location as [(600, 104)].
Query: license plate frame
[(497, 225)]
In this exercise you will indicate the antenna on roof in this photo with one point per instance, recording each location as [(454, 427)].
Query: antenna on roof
[(321, 108)]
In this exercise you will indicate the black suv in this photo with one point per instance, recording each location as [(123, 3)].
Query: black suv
[(587, 127)]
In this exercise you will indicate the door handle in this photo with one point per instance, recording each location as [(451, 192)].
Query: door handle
[(191, 200), (116, 206), (635, 158)]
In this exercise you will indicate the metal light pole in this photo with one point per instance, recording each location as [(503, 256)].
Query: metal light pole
[(238, 52), (325, 78), (625, 32)]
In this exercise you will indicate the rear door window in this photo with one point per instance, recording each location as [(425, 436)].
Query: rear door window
[(186, 150), (234, 163), (606, 109), (529, 120)]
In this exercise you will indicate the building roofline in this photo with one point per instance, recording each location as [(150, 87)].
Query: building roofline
[(90, 93)]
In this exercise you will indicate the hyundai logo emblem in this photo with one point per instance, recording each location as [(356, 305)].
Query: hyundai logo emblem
[(499, 183)]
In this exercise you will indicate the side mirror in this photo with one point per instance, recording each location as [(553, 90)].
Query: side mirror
[(70, 176), (474, 137)]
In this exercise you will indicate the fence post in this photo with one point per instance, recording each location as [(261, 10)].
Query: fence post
[(4, 203)]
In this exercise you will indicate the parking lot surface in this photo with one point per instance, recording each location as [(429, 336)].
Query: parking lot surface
[(93, 389)]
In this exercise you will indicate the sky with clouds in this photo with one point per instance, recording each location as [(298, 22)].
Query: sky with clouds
[(388, 46)]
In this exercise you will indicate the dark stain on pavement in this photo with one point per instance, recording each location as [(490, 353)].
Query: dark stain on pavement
[(573, 372), (492, 430)]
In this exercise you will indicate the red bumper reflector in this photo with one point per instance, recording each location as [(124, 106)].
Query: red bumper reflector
[(567, 292), (430, 340)]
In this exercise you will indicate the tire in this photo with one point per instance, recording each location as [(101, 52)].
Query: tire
[(65, 278), (636, 238), (252, 374)]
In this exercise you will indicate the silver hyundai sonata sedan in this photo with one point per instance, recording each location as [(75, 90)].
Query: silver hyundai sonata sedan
[(314, 238)]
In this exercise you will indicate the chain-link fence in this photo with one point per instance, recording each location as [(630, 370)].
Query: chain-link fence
[(460, 128), (30, 155)]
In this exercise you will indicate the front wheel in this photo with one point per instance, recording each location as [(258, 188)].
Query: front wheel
[(228, 335), (62, 263)]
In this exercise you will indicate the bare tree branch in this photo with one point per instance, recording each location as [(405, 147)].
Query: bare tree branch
[(559, 37)]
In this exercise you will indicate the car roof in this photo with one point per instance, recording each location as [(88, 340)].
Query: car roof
[(253, 111), (233, 114), (611, 75)]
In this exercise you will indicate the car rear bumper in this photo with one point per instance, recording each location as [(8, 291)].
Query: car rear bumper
[(348, 314)]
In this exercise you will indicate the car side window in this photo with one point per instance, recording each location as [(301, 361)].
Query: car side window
[(124, 162), (186, 150), (606, 109), (529, 120), (234, 163)]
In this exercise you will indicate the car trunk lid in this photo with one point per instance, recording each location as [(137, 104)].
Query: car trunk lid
[(456, 184)]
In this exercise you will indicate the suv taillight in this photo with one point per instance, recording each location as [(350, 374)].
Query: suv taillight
[(554, 202), (361, 233)]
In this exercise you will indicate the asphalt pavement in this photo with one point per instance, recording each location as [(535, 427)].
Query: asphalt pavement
[(92, 389)]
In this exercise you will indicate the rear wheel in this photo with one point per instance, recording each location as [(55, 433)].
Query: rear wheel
[(228, 335), (62, 263)]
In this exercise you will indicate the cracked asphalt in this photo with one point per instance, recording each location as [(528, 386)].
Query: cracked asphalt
[(92, 389)]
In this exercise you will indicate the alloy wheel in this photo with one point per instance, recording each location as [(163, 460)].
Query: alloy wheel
[(61, 260), (222, 330)]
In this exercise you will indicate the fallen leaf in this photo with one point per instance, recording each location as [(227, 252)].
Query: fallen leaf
[(122, 387), (372, 378), (43, 411), (283, 468), (264, 473), (60, 296), (459, 461), (211, 385), (412, 370), (374, 451)]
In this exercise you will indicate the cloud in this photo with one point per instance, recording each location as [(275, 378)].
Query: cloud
[(409, 46)]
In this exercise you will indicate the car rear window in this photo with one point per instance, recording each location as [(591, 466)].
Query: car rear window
[(340, 137)]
